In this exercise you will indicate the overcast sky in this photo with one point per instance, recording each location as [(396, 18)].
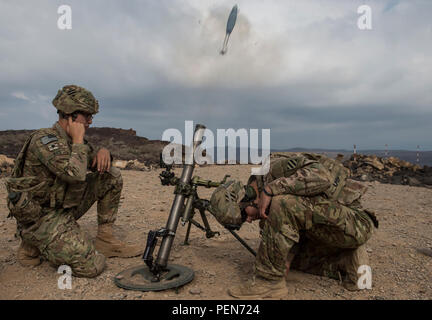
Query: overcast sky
[(300, 68)]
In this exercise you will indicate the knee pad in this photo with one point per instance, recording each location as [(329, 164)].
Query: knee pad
[(91, 268)]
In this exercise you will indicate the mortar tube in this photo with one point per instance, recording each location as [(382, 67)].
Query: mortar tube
[(175, 213)]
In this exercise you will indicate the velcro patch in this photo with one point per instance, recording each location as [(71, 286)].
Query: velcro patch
[(291, 164), (49, 138)]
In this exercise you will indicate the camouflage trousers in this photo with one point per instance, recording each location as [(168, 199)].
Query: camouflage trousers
[(58, 236), (316, 230)]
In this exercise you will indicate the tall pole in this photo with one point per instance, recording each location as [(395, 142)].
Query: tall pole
[(418, 154)]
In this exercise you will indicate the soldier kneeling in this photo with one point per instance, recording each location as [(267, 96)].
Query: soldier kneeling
[(311, 220), (50, 189)]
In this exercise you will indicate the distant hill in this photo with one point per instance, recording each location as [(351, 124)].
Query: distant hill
[(126, 145), (123, 144), (425, 157)]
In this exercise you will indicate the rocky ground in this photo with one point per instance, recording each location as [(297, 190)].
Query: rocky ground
[(399, 270)]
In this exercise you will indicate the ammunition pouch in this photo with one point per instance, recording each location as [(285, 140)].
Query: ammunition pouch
[(21, 200), (73, 194)]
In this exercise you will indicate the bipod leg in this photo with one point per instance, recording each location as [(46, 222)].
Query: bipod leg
[(186, 240), (242, 242), (209, 232)]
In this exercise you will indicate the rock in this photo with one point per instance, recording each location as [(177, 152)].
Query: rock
[(119, 296), (391, 170), (425, 251), (427, 180), (5, 161), (195, 291), (413, 182), (132, 165), (121, 164), (136, 165), (375, 162), (339, 157)]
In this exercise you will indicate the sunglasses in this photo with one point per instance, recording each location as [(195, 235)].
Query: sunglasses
[(87, 116)]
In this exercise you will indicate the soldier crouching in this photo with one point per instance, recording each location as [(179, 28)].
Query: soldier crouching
[(311, 220), (50, 189)]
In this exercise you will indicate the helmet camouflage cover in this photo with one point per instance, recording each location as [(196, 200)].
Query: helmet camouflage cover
[(224, 204), (73, 98)]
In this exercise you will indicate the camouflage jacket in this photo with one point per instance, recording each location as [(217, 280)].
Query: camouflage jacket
[(306, 174), (52, 157)]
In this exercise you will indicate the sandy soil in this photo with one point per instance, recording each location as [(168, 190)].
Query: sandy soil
[(399, 271)]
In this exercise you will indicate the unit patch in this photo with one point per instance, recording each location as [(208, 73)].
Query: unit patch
[(291, 164), (49, 138), (53, 146)]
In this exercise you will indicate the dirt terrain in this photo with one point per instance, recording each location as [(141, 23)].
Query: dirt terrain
[(399, 271)]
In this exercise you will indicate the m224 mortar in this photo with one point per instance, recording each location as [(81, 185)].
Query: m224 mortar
[(157, 274)]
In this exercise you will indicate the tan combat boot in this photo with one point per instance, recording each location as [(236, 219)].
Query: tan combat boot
[(28, 255), (109, 246), (257, 288), (350, 263)]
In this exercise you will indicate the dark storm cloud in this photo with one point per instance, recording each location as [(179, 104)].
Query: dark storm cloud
[(302, 69)]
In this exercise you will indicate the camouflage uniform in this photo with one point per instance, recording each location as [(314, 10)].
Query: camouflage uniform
[(50, 189), (314, 214), (67, 194)]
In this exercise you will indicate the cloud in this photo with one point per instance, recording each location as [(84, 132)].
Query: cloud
[(20, 95), (302, 69)]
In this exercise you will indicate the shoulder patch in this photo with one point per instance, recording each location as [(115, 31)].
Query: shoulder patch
[(49, 138), (291, 164), (53, 146)]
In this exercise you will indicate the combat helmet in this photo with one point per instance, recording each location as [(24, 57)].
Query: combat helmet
[(72, 98), (228, 201)]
